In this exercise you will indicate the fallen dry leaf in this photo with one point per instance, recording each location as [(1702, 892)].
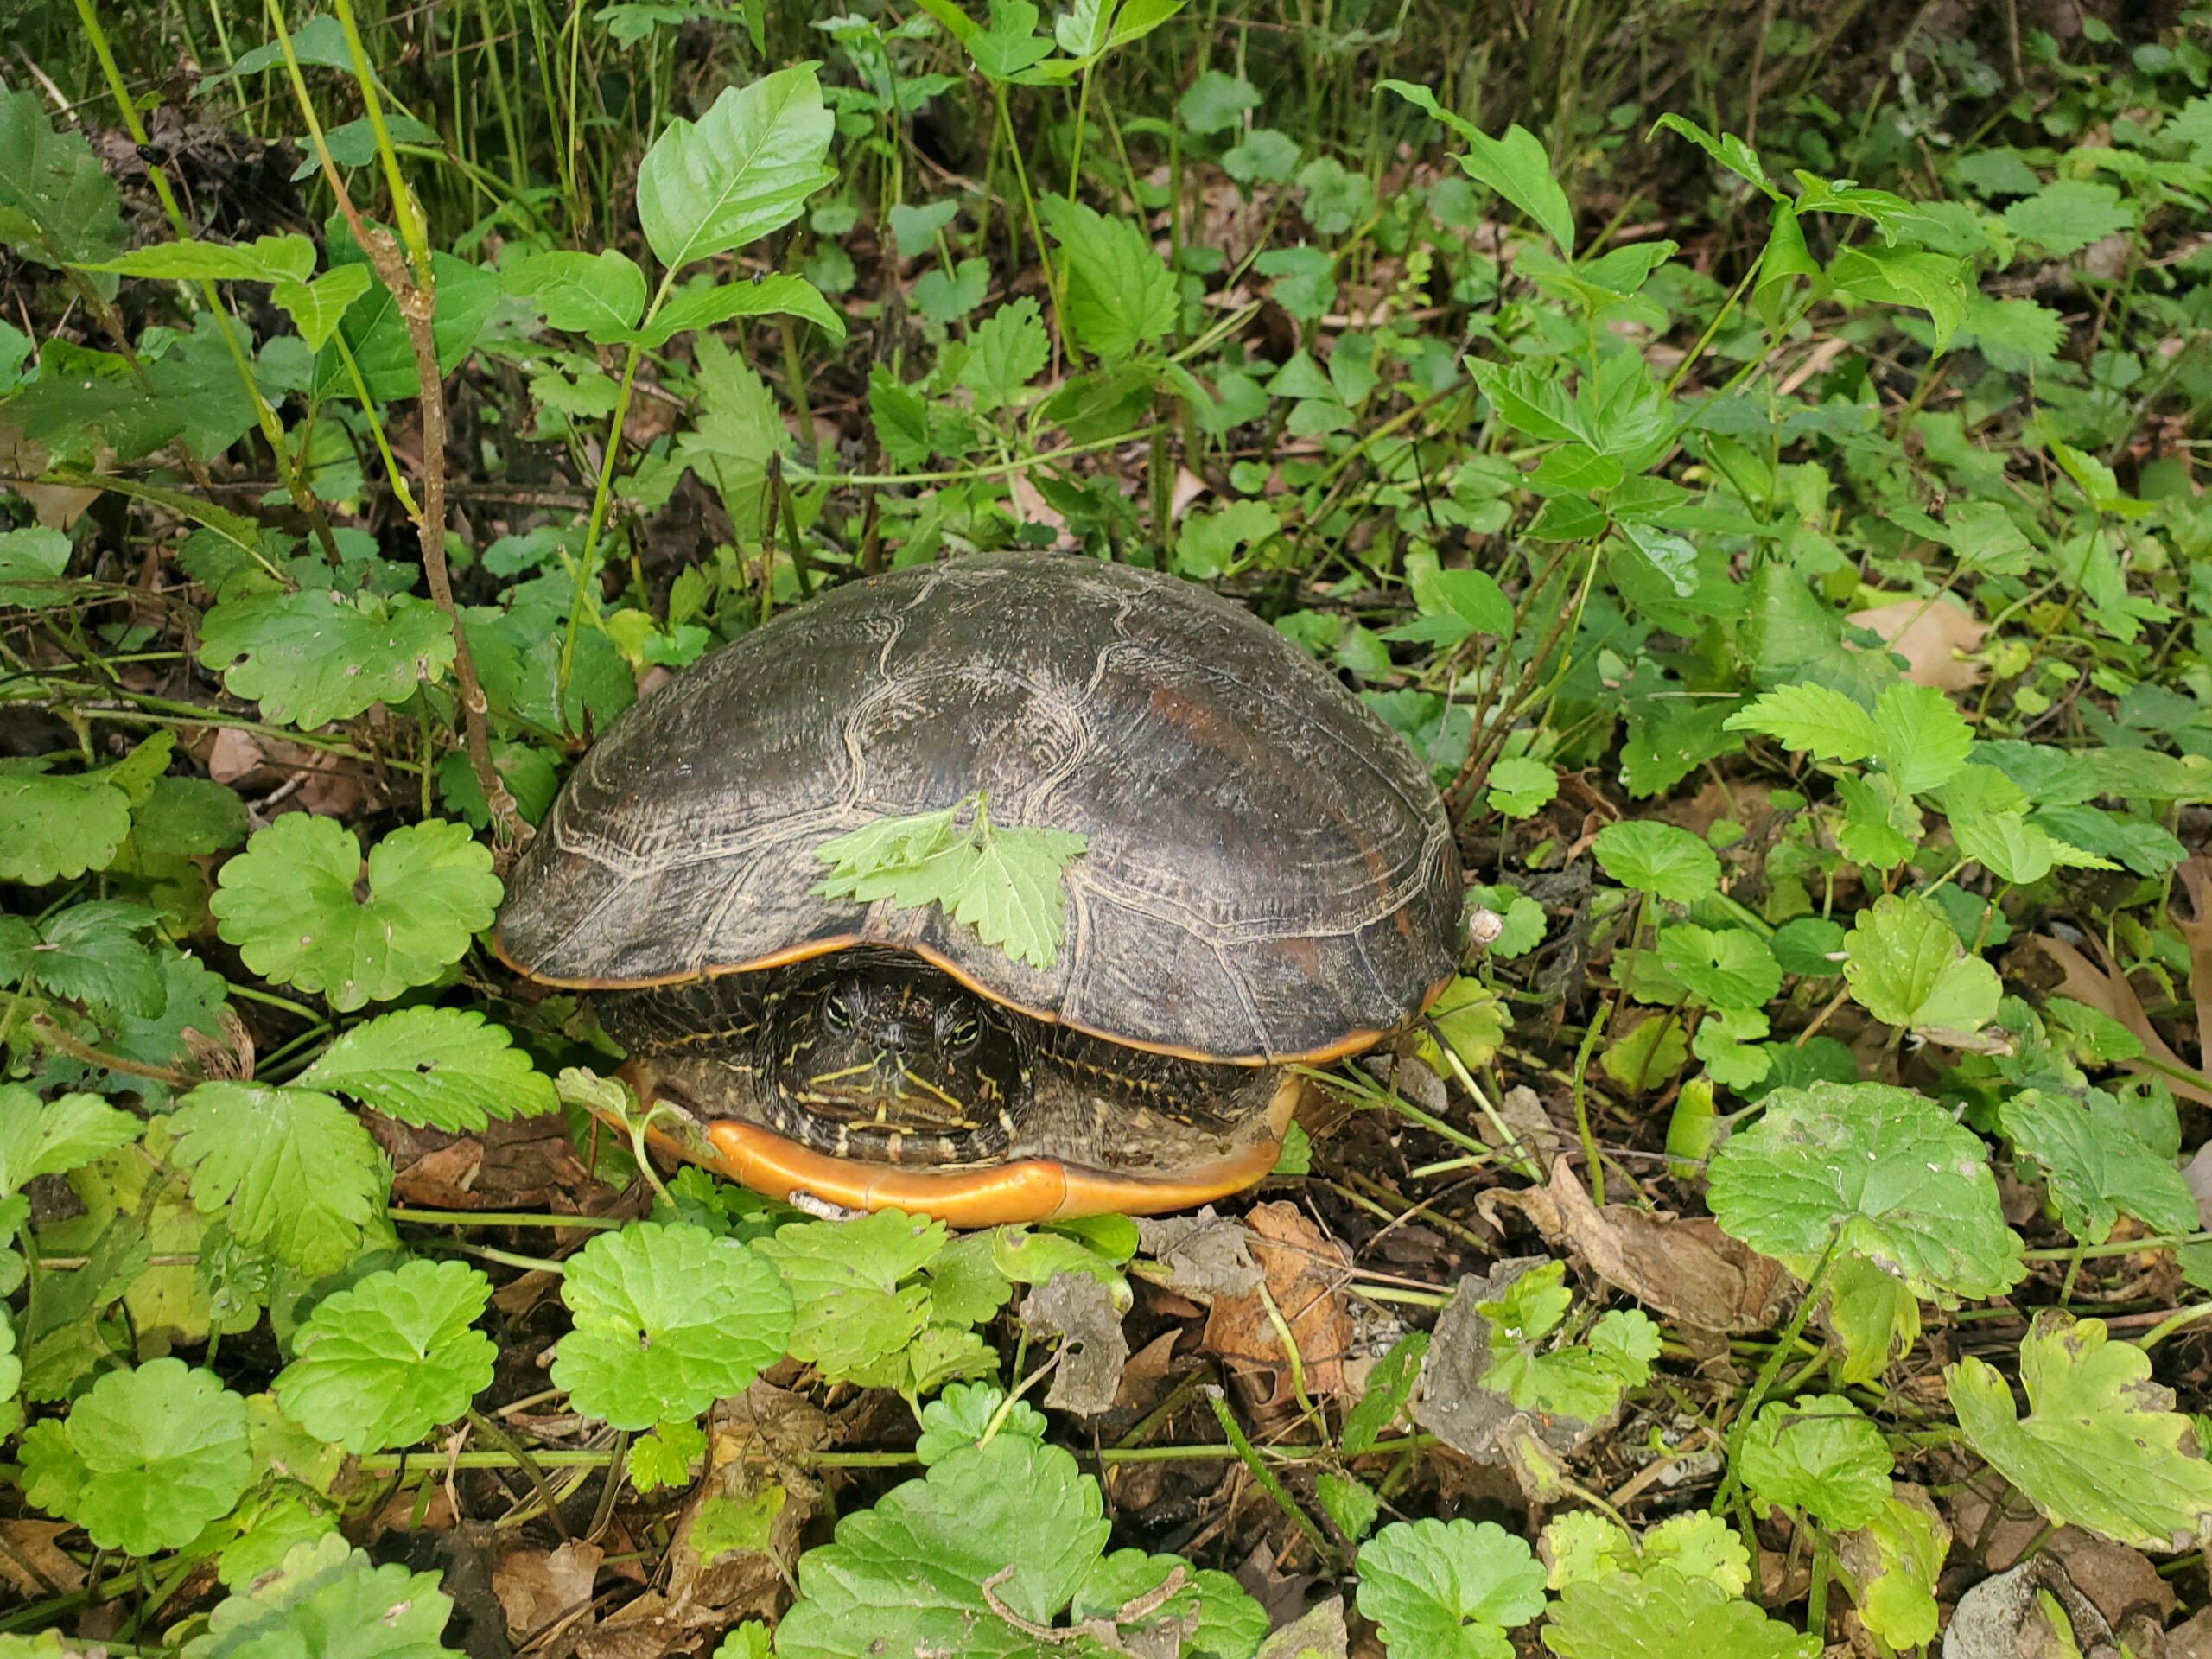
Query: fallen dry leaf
[(1932, 635), (2003, 1618), (1080, 1311), (1456, 1407), (34, 1564), (540, 1588), (1205, 1256), (2085, 983), (1682, 1267), (1304, 1273), (2196, 875)]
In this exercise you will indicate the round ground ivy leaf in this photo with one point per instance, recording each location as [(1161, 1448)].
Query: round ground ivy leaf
[(1811, 945), (287, 902), (1662, 1615), (1723, 968), (317, 656), (960, 1416), (1660, 859), (2096, 1168), (669, 1319), (844, 1277), (384, 1363), (1908, 1190), (1820, 1454), (56, 829), (1449, 1590), (143, 1460), (329, 1600), (434, 1068), (2102, 1445)]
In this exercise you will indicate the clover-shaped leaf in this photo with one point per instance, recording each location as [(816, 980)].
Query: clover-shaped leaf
[(1664, 1615), (315, 656), (385, 1362), (436, 1068), (962, 1416), (1450, 1590), (2102, 1445), (1723, 968), (669, 1319), (852, 1311), (1906, 968), (1583, 1380), (144, 1459), (1581, 1544), (1660, 859), (1885, 1173), (330, 1600), (1519, 786), (1819, 1454), (289, 1170), (2097, 1169), (287, 902)]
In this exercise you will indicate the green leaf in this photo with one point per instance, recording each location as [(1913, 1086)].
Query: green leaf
[(598, 295), (1661, 859), (663, 1458), (53, 1139), (1206, 544), (314, 657), (375, 334), (1886, 1172), (287, 902), (1933, 283), (434, 1068), (2064, 217), (318, 308), (1809, 719), (1662, 1615), (1516, 166), (1520, 786), (1009, 48), (2097, 1170), (1724, 967), (2102, 1445), (1894, 1580), (57, 205), (908, 1576), (1906, 968), (56, 829), (1389, 1385), (385, 1361), (188, 817), (146, 1459), (1582, 1545), (738, 429), (1120, 295), (1921, 740), (265, 259), (27, 557), (709, 305), (1819, 1454), (1449, 1590), (1216, 102), (1728, 150), (289, 1170), (1006, 351), (853, 1309), (1003, 882), (961, 1415), (667, 1320), (96, 953), (745, 169), (329, 1601)]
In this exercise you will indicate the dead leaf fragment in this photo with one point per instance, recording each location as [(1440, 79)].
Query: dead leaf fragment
[(33, 1564), (2110, 994), (540, 1588), (1932, 636), (1079, 1311), (1205, 1256), (1304, 1274), (1682, 1267), (2002, 1618)]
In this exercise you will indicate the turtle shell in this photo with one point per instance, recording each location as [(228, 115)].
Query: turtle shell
[(1270, 873)]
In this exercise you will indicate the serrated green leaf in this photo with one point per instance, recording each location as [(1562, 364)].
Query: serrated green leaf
[(1450, 1590), (854, 1310), (1664, 1615), (2101, 1446), (1582, 1546), (287, 902), (53, 1138), (1906, 968), (1661, 859), (2097, 1170), (962, 1414), (146, 1459), (667, 1320), (1885, 1173), (2065, 216), (1896, 1591), (387, 1360), (330, 1601), (598, 295), (1810, 719), (1120, 295), (1516, 166), (312, 658), (54, 829), (1921, 740), (434, 1068), (1819, 1454), (1723, 968), (289, 1170), (96, 953), (744, 170), (1006, 351), (57, 205)]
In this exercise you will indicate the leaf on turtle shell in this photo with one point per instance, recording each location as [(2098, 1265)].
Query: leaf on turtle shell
[(1002, 881)]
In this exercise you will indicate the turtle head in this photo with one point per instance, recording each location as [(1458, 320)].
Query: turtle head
[(897, 1060)]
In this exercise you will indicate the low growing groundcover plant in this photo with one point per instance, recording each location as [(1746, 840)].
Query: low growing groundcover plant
[(1756, 469)]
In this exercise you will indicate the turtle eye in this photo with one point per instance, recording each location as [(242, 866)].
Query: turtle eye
[(837, 1012), (963, 1031)]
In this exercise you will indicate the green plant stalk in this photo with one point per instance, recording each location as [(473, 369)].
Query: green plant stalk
[(1052, 290), (1732, 1481), (1582, 1105), (1265, 1479), (272, 431), (963, 475), (602, 487)]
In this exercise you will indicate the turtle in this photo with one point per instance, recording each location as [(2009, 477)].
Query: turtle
[(1267, 878)]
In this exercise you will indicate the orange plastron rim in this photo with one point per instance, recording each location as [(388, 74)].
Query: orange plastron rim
[(1029, 1188)]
